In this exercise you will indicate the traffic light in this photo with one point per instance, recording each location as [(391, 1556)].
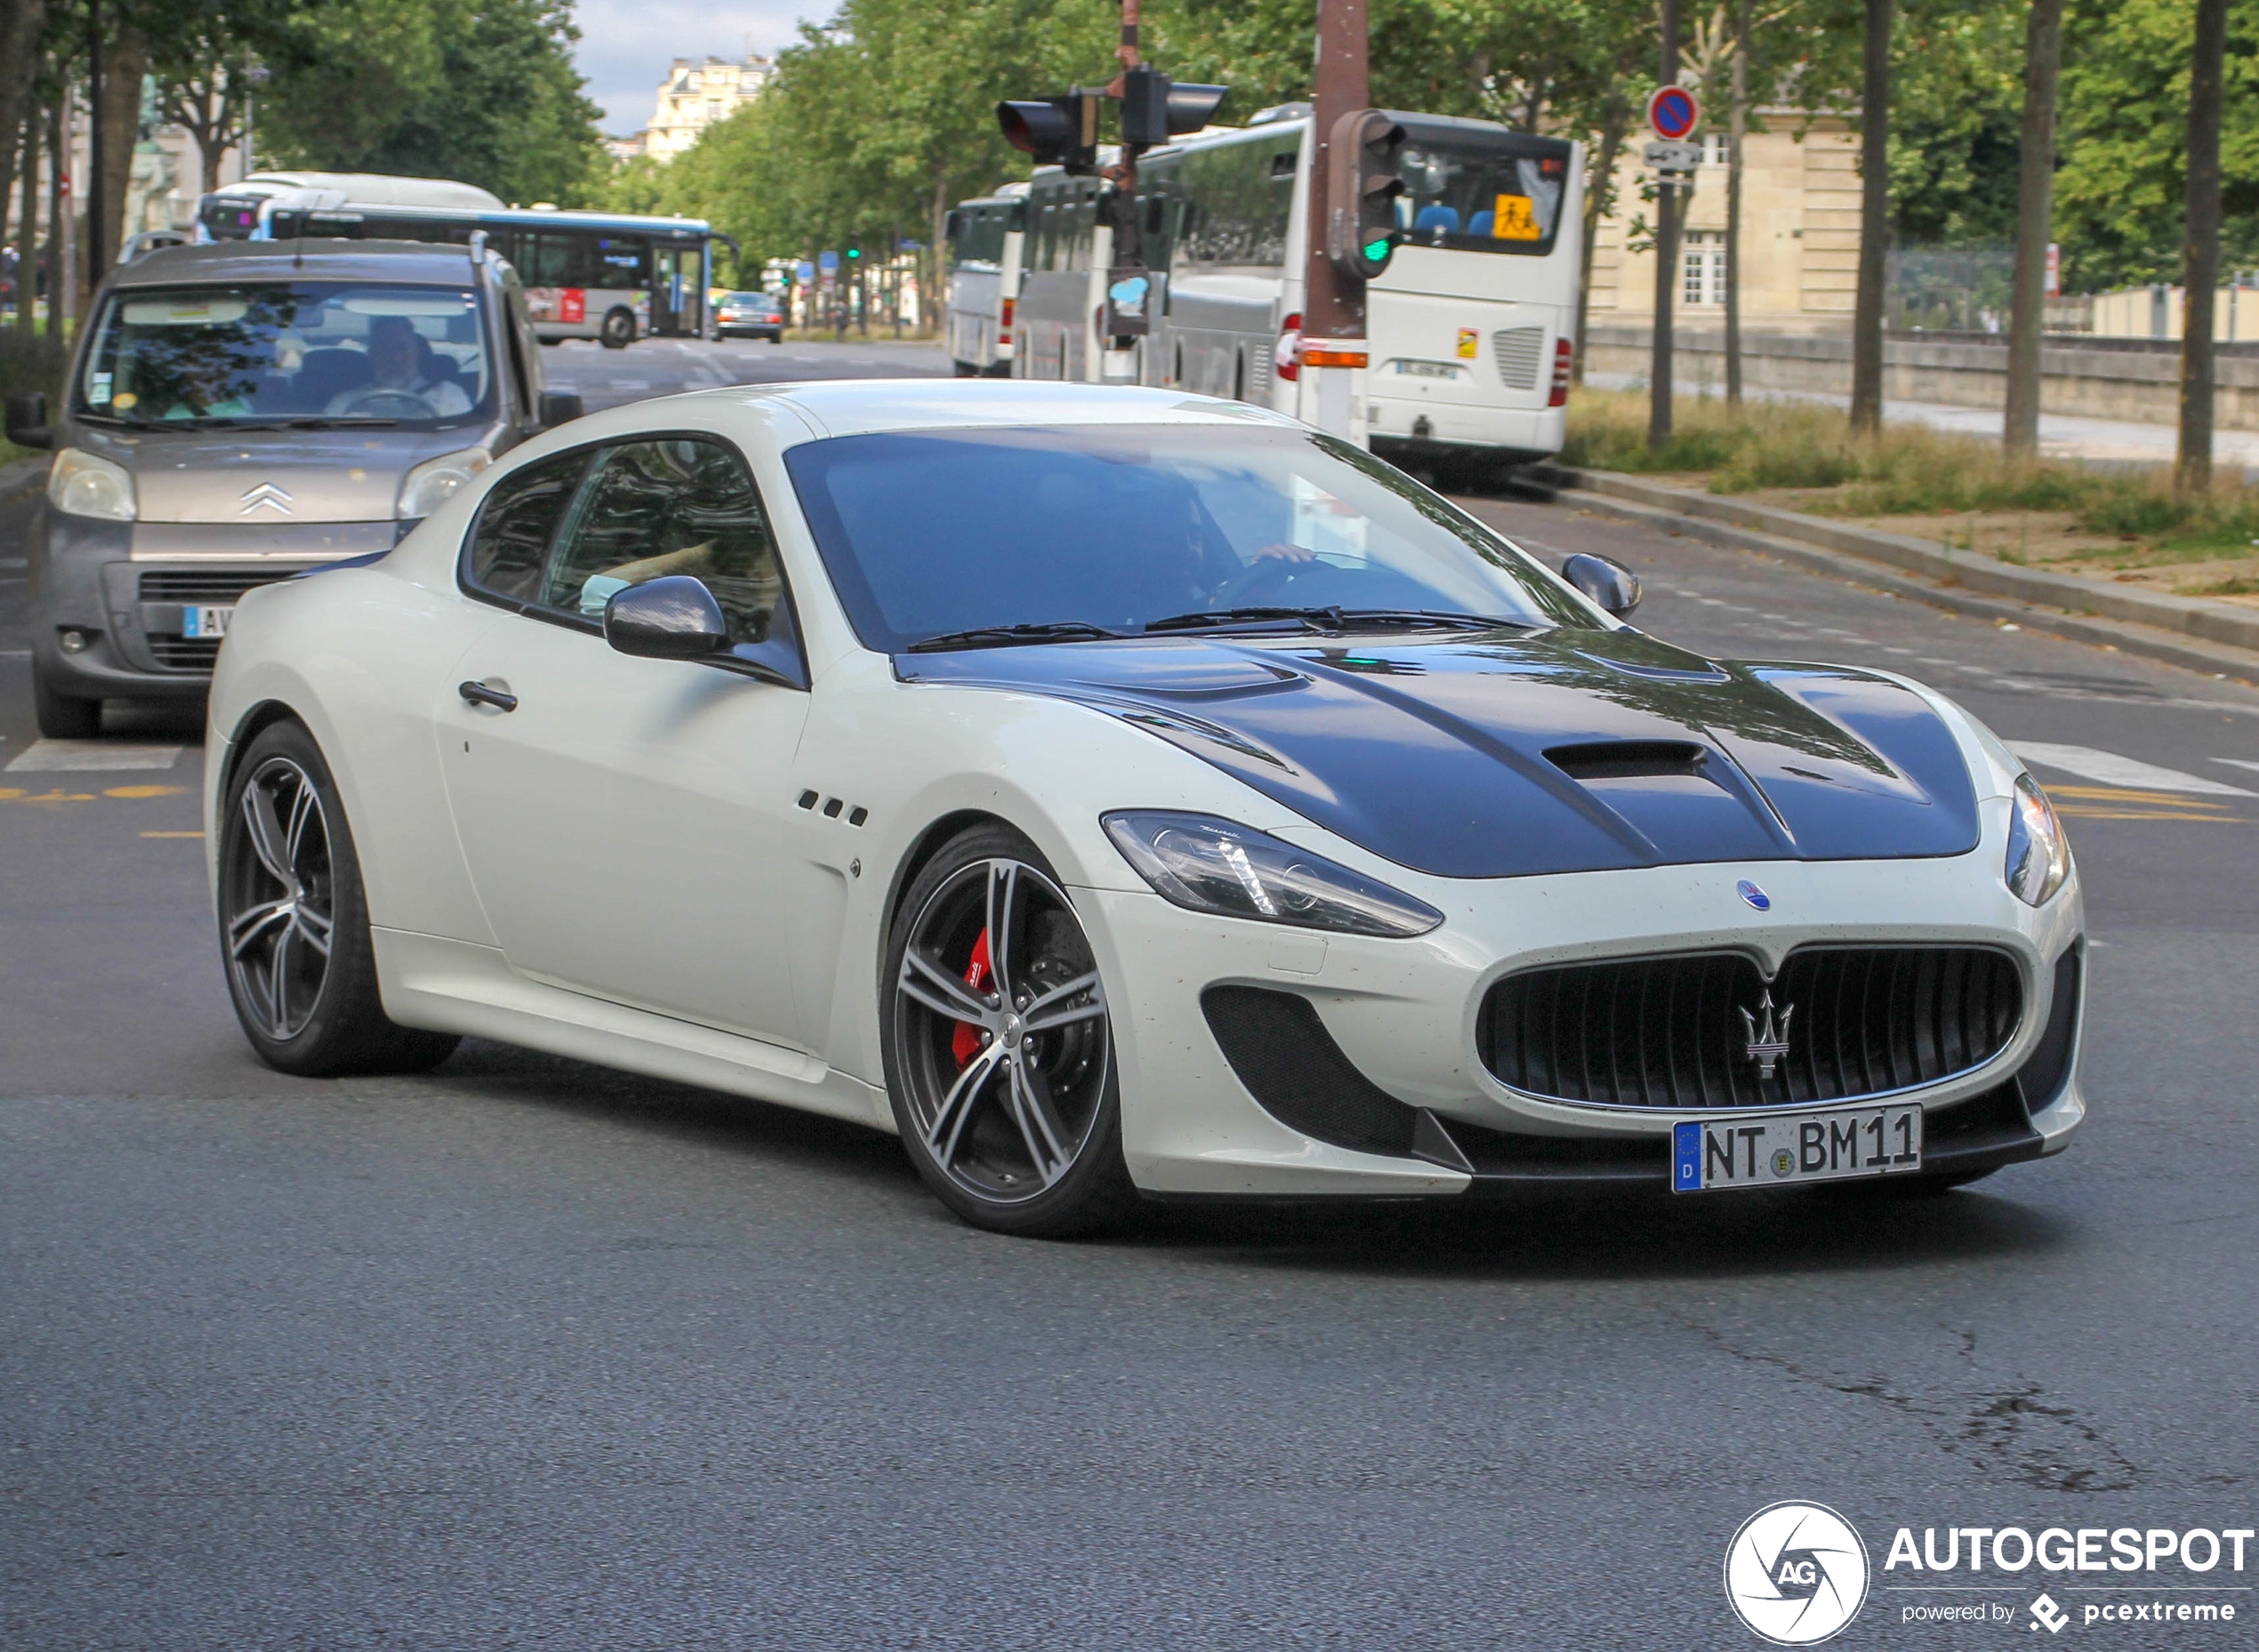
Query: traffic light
[(1155, 109), (1058, 132), (1362, 188)]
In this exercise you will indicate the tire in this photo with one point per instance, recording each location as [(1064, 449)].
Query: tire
[(618, 331), (292, 911), (61, 716), (1016, 1127)]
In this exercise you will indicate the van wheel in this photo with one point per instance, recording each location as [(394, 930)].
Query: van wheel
[(61, 716), (619, 330)]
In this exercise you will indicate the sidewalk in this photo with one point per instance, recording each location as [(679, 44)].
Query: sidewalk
[(2061, 435)]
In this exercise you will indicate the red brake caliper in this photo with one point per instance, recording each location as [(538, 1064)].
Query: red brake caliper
[(965, 1044)]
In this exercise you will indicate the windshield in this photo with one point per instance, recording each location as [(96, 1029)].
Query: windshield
[(251, 353), (1481, 193), (931, 532)]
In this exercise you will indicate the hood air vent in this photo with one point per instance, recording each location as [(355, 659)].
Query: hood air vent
[(1629, 760)]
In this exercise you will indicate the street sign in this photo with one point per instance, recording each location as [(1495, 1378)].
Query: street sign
[(1674, 158), (805, 274), (827, 261), (1672, 113)]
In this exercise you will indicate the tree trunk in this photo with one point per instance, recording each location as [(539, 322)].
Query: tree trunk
[(1600, 193), (1737, 126), (2035, 218), (28, 228), (124, 64), (20, 23), (2200, 252), (58, 204), (1874, 224)]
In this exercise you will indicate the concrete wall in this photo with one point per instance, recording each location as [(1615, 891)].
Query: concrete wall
[(2142, 386)]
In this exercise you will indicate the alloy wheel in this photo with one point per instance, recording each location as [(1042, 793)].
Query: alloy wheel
[(1003, 1040), (278, 889)]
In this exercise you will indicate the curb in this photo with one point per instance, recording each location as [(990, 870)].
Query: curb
[(2186, 631)]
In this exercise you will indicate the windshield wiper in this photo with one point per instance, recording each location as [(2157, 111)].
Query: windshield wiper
[(1334, 620), (1013, 635), (327, 424)]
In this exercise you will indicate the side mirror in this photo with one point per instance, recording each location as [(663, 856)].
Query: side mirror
[(1611, 584), (560, 407), (27, 425), (673, 618)]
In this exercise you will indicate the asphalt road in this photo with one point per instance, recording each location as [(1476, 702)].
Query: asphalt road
[(527, 1354)]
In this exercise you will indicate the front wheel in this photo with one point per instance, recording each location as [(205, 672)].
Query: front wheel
[(618, 331), (998, 1044), (61, 716), (294, 922)]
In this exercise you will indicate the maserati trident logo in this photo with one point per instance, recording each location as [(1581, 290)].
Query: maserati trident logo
[(1769, 1038), (266, 496)]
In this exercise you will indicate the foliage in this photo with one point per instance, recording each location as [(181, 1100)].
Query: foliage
[(2119, 196)]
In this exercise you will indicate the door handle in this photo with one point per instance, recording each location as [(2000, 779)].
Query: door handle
[(480, 694)]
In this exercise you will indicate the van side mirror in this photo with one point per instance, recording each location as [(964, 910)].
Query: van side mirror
[(1609, 583), (560, 407), (27, 425), (672, 617)]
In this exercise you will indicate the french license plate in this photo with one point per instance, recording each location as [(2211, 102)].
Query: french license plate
[(205, 621), (1428, 369), (1784, 1149)]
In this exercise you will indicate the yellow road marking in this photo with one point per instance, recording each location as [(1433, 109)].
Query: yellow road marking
[(14, 794), (144, 791), (2150, 815), (2116, 794), (171, 834)]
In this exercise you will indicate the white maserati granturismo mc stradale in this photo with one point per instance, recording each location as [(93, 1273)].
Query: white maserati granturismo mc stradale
[(1119, 792)]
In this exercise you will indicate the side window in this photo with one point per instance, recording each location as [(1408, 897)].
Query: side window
[(680, 506), (510, 543)]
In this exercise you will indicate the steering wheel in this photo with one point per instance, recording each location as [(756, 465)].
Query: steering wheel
[(1266, 582), (383, 401)]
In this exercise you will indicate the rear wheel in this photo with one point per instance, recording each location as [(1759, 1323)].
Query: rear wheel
[(61, 716), (618, 331), (294, 922), (998, 1050)]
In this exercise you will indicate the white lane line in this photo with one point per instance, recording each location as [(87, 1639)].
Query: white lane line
[(2112, 770), (44, 756), (2239, 762)]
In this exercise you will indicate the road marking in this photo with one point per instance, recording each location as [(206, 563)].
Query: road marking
[(2239, 762), (48, 757), (2119, 794), (171, 834), (2146, 815), (2113, 770), (143, 791)]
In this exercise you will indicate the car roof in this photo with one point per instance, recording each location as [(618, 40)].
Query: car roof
[(862, 406), (407, 262)]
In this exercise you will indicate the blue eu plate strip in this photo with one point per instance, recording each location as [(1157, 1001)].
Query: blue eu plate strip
[(1686, 1158)]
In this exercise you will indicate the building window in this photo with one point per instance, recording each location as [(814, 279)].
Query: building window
[(1718, 149), (1702, 268)]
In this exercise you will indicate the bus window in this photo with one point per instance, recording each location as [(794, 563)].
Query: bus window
[(1243, 202), (1478, 192), (621, 264)]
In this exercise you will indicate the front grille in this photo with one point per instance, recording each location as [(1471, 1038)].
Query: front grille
[(215, 585), (1670, 1032), (185, 654), (1519, 350)]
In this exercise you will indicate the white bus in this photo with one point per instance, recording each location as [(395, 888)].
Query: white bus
[(1471, 328), (985, 237)]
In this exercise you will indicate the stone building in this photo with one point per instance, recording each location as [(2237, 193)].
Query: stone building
[(695, 96)]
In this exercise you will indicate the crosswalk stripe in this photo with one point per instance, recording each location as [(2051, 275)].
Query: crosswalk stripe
[(2113, 770)]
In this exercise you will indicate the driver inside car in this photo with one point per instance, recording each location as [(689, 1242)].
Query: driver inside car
[(396, 369)]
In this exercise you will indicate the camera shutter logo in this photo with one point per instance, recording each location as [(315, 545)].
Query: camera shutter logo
[(1796, 1573)]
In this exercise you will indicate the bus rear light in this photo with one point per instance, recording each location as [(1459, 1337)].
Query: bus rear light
[(1287, 354), (1004, 324), (1565, 357)]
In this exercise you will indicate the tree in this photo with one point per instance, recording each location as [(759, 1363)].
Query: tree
[(2035, 210), (2200, 247), (1874, 222)]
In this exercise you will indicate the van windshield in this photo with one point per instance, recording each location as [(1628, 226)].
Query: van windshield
[(1481, 192), (251, 353)]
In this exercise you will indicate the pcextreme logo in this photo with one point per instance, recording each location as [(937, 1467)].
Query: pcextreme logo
[(1796, 1573)]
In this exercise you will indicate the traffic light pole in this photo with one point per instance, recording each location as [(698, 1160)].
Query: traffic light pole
[(1666, 199), (1331, 381)]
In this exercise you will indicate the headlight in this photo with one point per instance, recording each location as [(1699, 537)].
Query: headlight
[(1210, 865), (87, 486), (2038, 855), (431, 483)]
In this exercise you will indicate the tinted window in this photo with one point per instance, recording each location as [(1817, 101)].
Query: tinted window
[(1240, 193), (1482, 192), (929, 532), (669, 507), (511, 542)]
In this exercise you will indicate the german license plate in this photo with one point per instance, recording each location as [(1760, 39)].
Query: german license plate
[(1781, 1150), (205, 621), (1428, 369)]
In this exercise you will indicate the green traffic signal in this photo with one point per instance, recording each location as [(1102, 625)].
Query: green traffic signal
[(1378, 251), (855, 251)]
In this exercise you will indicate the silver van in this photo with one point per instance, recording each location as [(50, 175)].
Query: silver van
[(238, 414)]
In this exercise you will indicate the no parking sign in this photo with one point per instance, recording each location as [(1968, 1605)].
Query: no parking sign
[(1672, 113)]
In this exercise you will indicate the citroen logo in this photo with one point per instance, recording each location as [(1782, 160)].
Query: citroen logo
[(1769, 1038), (268, 497)]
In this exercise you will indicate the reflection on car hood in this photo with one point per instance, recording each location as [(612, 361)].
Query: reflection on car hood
[(330, 476), (1508, 753)]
